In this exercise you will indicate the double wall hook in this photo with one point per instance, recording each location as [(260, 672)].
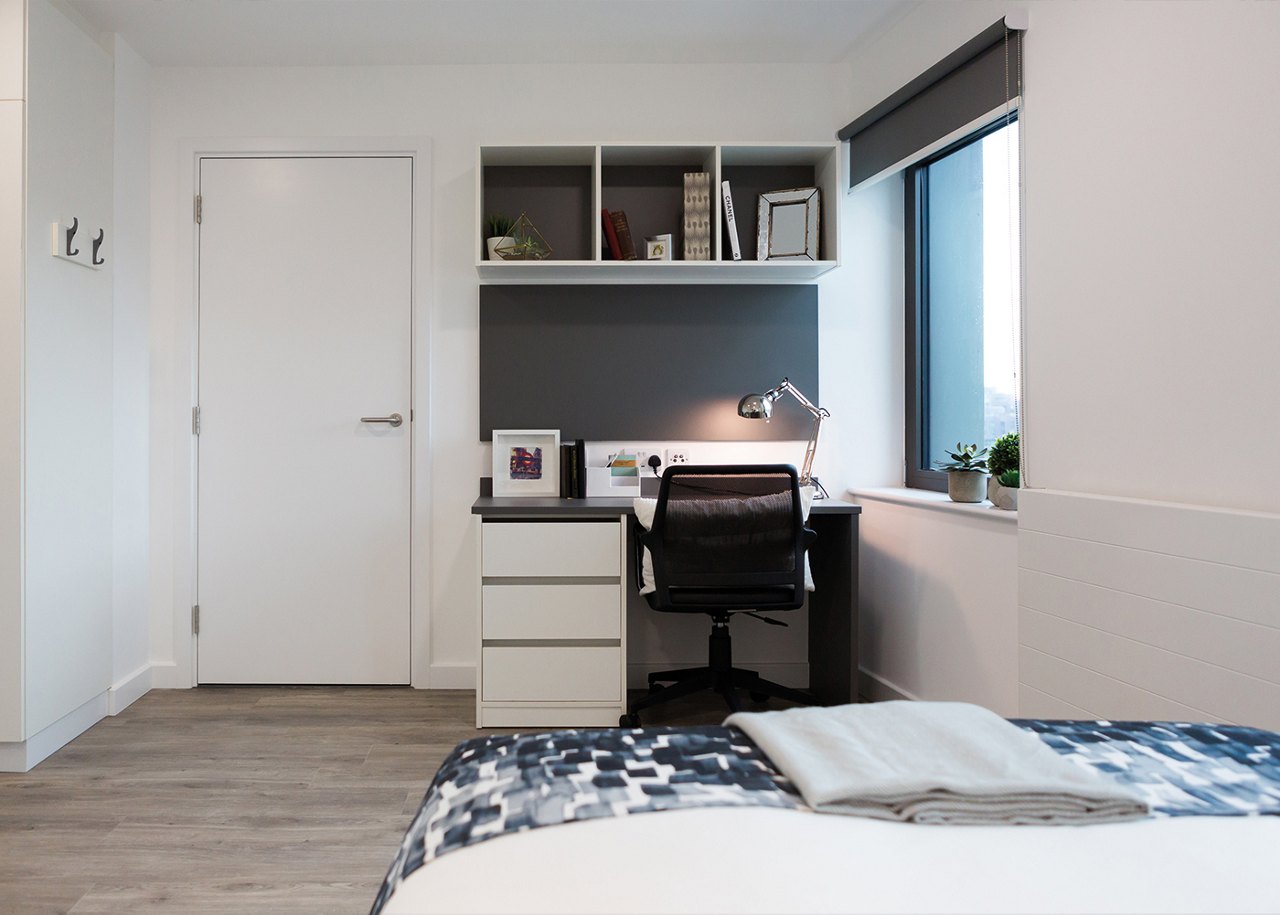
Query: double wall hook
[(71, 233), (97, 243)]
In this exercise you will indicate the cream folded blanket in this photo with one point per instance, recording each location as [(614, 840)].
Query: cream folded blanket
[(932, 762)]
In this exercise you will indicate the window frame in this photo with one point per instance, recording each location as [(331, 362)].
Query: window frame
[(918, 473)]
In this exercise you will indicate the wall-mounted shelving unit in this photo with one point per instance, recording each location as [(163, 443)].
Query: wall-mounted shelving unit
[(563, 189)]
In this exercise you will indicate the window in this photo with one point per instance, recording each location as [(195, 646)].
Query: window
[(962, 283)]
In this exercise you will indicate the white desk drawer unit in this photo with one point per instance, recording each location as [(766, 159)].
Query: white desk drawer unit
[(551, 549), (551, 611), (552, 625), (519, 674)]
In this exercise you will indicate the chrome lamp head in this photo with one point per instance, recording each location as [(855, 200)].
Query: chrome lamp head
[(756, 406), (760, 406)]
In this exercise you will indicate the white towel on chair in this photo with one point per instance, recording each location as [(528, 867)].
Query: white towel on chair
[(932, 762)]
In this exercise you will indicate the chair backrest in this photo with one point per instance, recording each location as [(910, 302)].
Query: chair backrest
[(723, 532)]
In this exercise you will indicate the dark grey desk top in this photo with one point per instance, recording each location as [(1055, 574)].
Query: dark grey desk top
[(549, 507)]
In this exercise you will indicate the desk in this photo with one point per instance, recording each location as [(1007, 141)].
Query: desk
[(555, 584)]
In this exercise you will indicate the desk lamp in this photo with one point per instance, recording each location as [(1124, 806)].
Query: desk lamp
[(760, 406)]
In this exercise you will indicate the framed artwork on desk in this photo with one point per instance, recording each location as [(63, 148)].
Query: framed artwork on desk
[(526, 462)]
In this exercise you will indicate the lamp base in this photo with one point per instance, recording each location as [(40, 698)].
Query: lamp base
[(819, 491)]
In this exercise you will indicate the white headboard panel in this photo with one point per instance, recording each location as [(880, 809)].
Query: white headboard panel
[(1133, 610)]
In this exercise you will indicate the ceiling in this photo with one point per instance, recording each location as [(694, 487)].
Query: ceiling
[(501, 33)]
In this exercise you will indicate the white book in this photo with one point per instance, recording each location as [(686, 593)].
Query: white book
[(729, 221)]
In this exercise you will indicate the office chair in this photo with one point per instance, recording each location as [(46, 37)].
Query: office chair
[(725, 539)]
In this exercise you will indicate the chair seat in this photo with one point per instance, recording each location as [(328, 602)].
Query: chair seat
[(700, 600)]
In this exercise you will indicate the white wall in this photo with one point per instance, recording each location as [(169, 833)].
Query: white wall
[(68, 406), (458, 107), (1151, 310), (1151, 271), (131, 369), (861, 345), (1152, 265), (939, 607), (12, 148)]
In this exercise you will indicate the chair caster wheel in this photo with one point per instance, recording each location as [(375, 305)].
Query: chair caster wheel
[(629, 721), (759, 697)]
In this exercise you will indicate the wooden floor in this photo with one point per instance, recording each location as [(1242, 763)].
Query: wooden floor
[(222, 799)]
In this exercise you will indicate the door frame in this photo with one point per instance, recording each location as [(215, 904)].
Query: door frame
[(183, 595)]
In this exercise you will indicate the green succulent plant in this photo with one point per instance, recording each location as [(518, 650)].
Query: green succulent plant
[(965, 458), (497, 225), (1009, 479), (527, 247), (1004, 456)]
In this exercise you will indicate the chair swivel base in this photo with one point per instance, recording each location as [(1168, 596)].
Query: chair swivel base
[(689, 680)]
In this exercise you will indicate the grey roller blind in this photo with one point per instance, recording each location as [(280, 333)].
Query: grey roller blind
[(966, 84)]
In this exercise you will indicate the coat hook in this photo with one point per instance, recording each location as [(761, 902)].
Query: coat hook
[(71, 233), (97, 243)]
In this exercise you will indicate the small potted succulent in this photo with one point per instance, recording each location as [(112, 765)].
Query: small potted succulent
[(497, 227), (966, 472), (1003, 462)]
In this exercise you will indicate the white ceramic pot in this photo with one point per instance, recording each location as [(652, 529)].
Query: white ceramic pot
[(966, 485), (1002, 496), (491, 245)]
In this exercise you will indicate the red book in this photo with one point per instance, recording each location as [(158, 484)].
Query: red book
[(610, 235), (626, 247)]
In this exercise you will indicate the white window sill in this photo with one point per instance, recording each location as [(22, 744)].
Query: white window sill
[(934, 501)]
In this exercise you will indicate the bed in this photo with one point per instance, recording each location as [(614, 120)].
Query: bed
[(735, 835)]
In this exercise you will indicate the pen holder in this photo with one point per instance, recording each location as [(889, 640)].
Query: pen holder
[(601, 483)]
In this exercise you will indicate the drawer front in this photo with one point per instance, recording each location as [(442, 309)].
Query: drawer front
[(552, 549), (552, 612), (552, 674)]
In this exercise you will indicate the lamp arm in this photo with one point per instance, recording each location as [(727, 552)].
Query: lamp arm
[(805, 402), (818, 413), (806, 472)]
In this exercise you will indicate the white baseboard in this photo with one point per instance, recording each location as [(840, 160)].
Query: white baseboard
[(129, 690), (166, 675), (794, 674), (25, 755), (877, 689), (452, 676)]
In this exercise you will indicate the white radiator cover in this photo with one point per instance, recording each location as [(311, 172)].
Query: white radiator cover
[(1132, 609)]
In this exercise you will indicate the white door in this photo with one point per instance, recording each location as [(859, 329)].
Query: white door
[(304, 507)]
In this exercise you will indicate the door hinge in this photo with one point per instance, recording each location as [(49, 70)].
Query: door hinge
[(195, 618), (199, 207), (195, 420)]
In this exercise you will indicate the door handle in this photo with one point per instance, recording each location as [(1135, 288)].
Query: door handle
[(393, 420)]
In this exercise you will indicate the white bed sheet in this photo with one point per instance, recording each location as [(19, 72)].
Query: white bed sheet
[(768, 860)]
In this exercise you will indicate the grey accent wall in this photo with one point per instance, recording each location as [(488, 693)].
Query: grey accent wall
[(645, 362)]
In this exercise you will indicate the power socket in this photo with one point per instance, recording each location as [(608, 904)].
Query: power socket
[(643, 455), (677, 456)]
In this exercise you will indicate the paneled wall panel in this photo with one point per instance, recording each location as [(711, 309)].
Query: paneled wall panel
[(1132, 609)]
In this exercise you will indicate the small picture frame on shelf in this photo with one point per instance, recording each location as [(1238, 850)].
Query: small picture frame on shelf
[(658, 247), (526, 462), (788, 225)]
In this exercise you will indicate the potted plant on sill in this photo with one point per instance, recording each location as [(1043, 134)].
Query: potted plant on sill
[(1003, 462), (497, 228), (966, 473)]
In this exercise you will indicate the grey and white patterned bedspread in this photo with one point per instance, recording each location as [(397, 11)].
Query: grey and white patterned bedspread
[(491, 786)]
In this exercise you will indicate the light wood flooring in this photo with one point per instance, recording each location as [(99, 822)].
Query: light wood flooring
[(236, 799)]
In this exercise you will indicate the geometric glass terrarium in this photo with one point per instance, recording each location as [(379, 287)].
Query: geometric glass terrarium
[(523, 243)]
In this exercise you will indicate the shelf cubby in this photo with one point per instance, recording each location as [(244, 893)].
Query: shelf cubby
[(553, 185), (647, 183), (564, 188)]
